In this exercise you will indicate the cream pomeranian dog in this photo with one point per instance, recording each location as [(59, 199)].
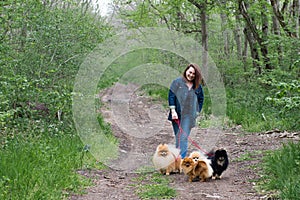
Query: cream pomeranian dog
[(167, 159)]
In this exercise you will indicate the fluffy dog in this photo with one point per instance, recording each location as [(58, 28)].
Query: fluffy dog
[(219, 162), (196, 169), (197, 155), (167, 159)]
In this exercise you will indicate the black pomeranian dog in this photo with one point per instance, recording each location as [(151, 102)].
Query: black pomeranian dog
[(219, 162)]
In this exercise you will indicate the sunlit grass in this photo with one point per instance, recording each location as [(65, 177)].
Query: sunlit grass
[(281, 171)]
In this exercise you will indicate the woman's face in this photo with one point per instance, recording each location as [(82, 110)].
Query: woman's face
[(190, 74)]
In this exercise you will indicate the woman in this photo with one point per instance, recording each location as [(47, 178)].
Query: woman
[(185, 102)]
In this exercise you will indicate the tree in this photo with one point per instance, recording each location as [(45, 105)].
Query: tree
[(279, 13), (202, 7), (257, 39), (262, 27), (42, 46)]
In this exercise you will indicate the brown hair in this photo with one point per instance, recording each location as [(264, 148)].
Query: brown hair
[(198, 76)]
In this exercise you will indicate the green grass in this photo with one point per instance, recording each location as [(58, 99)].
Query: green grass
[(246, 106), (248, 156), (153, 186), (41, 166), (39, 159), (281, 171)]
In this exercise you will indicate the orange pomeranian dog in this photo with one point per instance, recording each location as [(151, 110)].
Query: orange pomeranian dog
[(167, 159), (197, 155), (194, 169)]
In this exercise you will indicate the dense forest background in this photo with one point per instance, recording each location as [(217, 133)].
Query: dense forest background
[(255, 45)]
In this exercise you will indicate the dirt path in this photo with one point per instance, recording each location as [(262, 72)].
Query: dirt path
[(237, 182)]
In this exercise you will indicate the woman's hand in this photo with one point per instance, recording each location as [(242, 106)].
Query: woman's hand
[(174, 114)]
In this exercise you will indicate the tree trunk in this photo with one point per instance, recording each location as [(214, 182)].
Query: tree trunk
[(237, 37), (265, 23), (296, 15), (250, 38), (225, 33), (253, 48), (276, 31), (265, 31), (255, 34), (280, 17), (245, 53), (204, 41)]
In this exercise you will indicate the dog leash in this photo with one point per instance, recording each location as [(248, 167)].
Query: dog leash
[(181, 131), (176, 157)]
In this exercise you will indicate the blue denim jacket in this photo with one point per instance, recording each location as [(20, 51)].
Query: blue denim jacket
[(177, 95)]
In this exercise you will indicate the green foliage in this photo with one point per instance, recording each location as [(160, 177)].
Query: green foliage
[(284, 53), (142, 18), (175, 14), (156, 92), (281, 171), (245, 108), (256, 116), (42, 46), (136, 58), (22, 99), (285, 94), (39, 63)]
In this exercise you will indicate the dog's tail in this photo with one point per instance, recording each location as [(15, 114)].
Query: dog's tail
[(201, 165)]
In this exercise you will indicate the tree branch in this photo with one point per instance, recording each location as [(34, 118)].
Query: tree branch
[(195, 3), (190, 31), (159, 14), (280, 18), (249, 22)]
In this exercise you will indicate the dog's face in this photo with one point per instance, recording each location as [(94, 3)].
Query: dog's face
[(162, 150), (220, 156), (187, 165), (195, 156)]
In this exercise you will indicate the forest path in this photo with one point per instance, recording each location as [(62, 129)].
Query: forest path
[(245, 152)]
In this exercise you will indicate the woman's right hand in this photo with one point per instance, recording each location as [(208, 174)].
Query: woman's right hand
[(174, 114)]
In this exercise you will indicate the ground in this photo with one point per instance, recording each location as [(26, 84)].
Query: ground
[(238, 181)]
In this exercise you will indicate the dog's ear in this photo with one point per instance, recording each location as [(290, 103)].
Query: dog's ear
[(223, 150)]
